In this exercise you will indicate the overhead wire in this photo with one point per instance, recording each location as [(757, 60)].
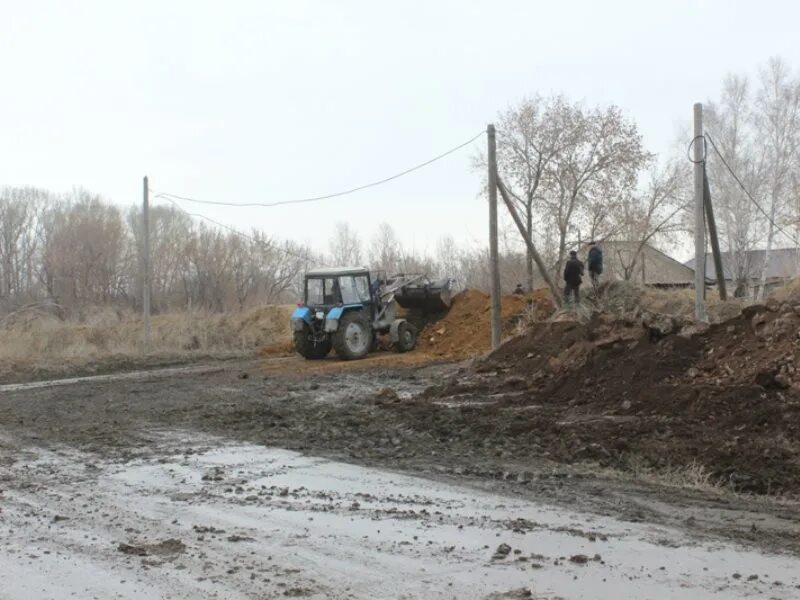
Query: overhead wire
[(359, 188), (174, 198), (747, 192), (307, 257), (689, 150)]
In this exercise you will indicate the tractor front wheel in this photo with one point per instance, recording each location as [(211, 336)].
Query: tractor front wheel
[(353, 339), (308, 348), (406, 337)]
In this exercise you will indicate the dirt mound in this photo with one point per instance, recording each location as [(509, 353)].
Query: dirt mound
[(466, 328), (654, 394)]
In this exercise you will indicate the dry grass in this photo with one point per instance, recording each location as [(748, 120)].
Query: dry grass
[(693, 476), (32, 341), (629, 300), (529, 316), (681, 303), (790, 292)]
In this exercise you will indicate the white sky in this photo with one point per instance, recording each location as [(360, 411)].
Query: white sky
[(268, 101)]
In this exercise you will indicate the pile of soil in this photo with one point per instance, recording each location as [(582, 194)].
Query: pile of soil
[(465, 330), (721, 402)]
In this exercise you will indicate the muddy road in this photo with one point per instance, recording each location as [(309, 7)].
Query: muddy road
[(261, 480)]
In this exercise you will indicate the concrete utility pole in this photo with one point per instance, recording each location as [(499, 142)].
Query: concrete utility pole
[(494, 257), (699, 148), (146, 264)]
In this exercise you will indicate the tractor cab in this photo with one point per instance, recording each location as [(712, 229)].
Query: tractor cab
[(337, 311), (325, 289)]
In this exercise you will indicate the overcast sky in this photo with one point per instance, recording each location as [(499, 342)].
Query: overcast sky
[(269, 101)]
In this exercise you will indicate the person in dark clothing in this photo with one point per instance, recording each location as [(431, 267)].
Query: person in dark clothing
[(519, 290), (573, 277), (375, 286), (595, 262)]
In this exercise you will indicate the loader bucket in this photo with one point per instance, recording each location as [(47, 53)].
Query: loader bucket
[(427, 297)]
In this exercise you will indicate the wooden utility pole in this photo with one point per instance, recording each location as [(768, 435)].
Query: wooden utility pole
[(494, 254), (712, 234), (537, 258), (698, 146), (146, 264)]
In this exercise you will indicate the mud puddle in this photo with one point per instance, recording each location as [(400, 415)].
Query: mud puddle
[(207, 517)]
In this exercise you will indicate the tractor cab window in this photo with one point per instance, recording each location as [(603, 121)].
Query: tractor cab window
[(355, 289), (322, 291)]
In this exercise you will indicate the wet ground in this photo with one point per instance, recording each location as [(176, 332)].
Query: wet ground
[(258, 481)]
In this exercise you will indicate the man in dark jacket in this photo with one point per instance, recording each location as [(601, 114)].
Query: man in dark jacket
[(573, 277), (595, 262)]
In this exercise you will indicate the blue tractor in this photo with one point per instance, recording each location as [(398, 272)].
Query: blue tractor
[(346, 309)]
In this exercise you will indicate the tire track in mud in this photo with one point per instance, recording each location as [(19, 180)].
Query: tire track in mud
[(110, 378)]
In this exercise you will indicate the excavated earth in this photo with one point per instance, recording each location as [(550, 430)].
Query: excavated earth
[(261, 481), (585, 458), (464, 330), (722, 401)]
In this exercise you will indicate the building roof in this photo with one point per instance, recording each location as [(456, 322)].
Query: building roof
[(653, 249), (783, 263), (676, 270), (335, 271)]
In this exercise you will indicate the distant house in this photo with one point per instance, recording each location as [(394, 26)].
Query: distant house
[(783, 265), (650, 267)]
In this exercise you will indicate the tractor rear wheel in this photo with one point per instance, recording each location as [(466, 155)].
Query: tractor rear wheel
[(406, 337), (353, 339), (308, 348)]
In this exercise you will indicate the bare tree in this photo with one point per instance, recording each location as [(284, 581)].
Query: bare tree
[(21, 222), (385, 250), (281, 266), (211, 278), (345, 246), (600, 165), (83, 257), (80, 251), (170, 231), (530, 137), (654, 212), (566, 168), (777, 120), (741, 230)]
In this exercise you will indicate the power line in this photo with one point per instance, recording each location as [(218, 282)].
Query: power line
[(747, 193), (240, 234), (327, 196), (689, 150)]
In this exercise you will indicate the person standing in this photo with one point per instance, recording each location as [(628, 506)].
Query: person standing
[(595, 262), (573, 277)]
